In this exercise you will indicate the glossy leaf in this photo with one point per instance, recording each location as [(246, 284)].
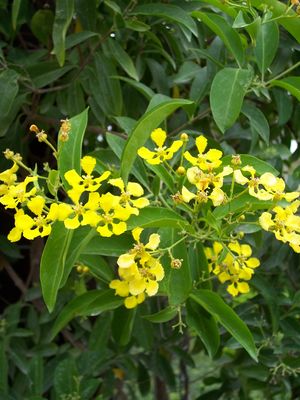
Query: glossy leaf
[(89, 303), (258, 121), (224, 314), (53, 262), (170, 12), (155, 217), (145, 125), (69, 152), (292, 25), (226, 95), (122, 325), (266, 45), (199, 265), (64, 10), (147, 92), (204, 325), (16, 5), (164, 315), (291, 84), (123, 59), (9, 88), (227, 34)]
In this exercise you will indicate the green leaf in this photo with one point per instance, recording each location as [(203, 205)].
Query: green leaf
[(199, 265), (64, 10), (122, 325), (3, 367), (224, 314), (36, 374), (75, 250), (9, 88), (258, 121), (86, 12), (154, 217), (147, 92), (145, 125), (89, 303), (179, 281), (122, 58), (41, 25), (259, 165), (291, 84), (163, 174), (292, 25), (204, 325), (267, 41), (226, 95), (103, 246), (44, 79), (170, 12), (226, 33), (164, 315), (78, 37), (105, 89), (15, 13), (69, 152), (64, 383), (53, 262), (98, 266), (117, 145), (53, 181), (284, 103)]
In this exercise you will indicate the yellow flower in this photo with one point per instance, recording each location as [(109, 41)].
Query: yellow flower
[(86, 182), (161, 153), (265, 187), (79, 214), (132, 189), (39, 225), (235, 266), (139, 271), (18, 194), (205, 161), (8, 177), (284, 224), (112, 217)]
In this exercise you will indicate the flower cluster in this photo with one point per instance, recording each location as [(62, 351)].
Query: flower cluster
[(236, 267), (284, 223), (139, 271), (107, 212)]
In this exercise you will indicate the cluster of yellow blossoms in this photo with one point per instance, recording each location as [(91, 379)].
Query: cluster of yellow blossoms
[(139, 271), (201, 181), (204, 180), (107, 213), (237, 266)]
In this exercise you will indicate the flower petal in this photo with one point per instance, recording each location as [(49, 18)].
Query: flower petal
[(159, 137)]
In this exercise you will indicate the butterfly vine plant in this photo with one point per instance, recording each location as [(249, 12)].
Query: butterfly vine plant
[(175, 230)]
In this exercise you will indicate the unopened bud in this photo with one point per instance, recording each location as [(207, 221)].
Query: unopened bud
[(64, 130), (240, 235), (295, 2), (85, 269), (236, 159), (184, 137), (176, 263), (34, 128), (119, 373), (177, 198), (181, 170), (10, 155), (41, 136), (79, 269), (241, 218)]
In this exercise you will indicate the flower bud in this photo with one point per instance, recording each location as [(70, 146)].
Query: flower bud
[(79, 269), (85, 269), (236, 160), (181, 170), (64, 130), (184, 137), (176, 263)]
